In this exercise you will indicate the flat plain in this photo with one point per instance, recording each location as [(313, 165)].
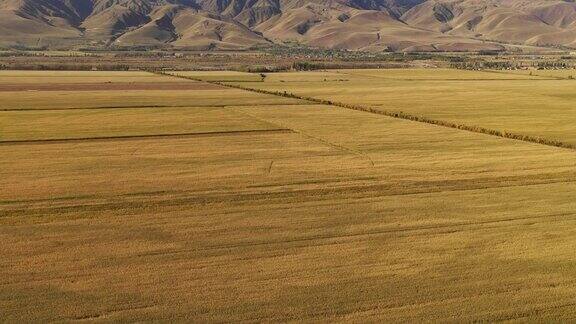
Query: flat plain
[(224, 205)]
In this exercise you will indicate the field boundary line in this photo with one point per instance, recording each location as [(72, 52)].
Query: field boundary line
[(315, 138), (140, 107), (401, 115), (151, 136), (535, 77)]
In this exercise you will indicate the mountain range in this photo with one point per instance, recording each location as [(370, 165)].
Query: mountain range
[(372, 25)]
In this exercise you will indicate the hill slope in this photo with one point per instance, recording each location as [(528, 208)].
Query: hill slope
[(400, 25)]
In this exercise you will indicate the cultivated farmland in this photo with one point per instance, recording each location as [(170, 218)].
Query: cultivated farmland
[(538, 105), (216, 204)]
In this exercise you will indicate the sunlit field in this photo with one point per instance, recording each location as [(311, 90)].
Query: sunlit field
[(516, 102), (205, 203)]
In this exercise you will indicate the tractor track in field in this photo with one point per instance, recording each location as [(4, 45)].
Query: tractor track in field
[(336, 238), (361, 193)]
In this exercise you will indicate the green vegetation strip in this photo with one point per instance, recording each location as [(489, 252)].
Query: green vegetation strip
[(399, 115)]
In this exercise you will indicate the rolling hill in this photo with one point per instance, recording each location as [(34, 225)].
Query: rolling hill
[(374, 25)]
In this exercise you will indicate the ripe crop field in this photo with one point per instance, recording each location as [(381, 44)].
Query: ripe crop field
[(226, 205), (515, 102), (66, 90), (87, 123)]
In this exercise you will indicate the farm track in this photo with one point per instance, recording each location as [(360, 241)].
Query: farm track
[(399, 115), (136, 137)]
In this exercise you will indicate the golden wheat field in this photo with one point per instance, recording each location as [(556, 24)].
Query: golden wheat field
[(539, 105), (214, 204)]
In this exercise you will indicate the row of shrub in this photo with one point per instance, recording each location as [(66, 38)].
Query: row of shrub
[(506, 65), (317, 65)]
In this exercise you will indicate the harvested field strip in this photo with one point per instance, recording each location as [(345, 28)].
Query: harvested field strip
[(58, 125), (402, 115), (112, 86), (136, 137), (89, 99), (70, 74), (106, 107), (148, 107)]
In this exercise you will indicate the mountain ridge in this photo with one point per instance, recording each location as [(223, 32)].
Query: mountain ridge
[(371, 25)]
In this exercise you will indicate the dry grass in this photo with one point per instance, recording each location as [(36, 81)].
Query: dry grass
[(350, 216)]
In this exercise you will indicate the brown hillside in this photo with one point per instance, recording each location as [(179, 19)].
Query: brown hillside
[(400, 25)]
